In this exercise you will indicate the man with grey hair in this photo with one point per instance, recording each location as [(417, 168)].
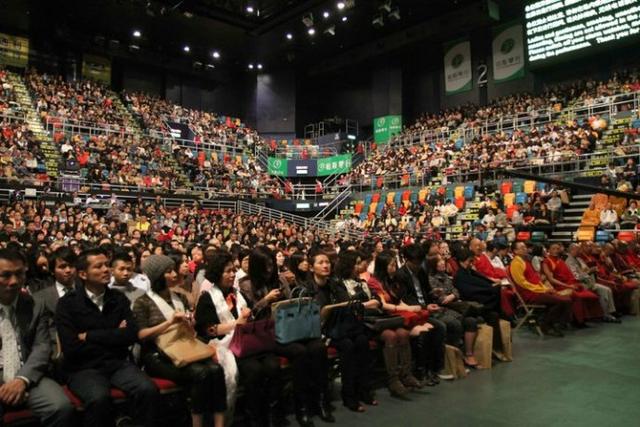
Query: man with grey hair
[(584, 274)]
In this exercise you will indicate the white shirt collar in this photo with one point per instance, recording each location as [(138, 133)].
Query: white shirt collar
[(62, 289), (98, 300)]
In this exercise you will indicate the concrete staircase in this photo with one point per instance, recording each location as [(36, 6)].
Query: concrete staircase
[(566, 229), (48, 148)]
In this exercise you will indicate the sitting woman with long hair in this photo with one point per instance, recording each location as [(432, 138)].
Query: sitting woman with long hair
[(308, 358), (355, 357), (428, 345), (218, 312), (155, 312)]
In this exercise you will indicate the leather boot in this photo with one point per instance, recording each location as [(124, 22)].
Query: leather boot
[(406, 377), (322, 409), (396, 387), (303, 416)]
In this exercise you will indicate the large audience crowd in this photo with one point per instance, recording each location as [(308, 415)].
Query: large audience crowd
[(102, 281), (576, 93), (80, 102)]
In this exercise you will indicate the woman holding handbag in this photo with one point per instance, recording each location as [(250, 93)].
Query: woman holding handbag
[(157, 311), (219, 311), (308, 358), (355, 358), (429, 346)]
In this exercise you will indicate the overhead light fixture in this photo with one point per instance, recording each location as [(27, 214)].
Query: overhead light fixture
[(331, 31), (345, 19), (134, 48), (210, 67), (311, 31), (216, 54), (259, 67), (137, 34), (289, 36), (186, 48), (395, 14), (386, 6), (340, 5), (250, 9), (197, 65), (251, 66), (325, 14), (378, 21), (307, 20)]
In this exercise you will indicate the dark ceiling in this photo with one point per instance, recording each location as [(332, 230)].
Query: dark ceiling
[(106, 26)]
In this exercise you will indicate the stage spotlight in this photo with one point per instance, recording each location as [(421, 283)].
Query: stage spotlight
[(250, 9), (340, 5), (289, 36), (345, 19), (259, 66), (216, 54), (186, 49), (311, 31), (325, 14), (251, 66), (137, 34)]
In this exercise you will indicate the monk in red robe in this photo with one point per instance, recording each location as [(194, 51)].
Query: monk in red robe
[(482, 264), (585, 304), (607, 275)]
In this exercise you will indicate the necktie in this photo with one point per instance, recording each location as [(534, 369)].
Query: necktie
[(10, 354)]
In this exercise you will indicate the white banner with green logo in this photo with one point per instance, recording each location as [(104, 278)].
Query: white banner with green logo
[(508, 53), (385, 127), (458, 76)]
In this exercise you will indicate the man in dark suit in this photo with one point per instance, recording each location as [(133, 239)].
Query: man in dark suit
[(96, 328), (412, 281), (26, 348), (63, 265)]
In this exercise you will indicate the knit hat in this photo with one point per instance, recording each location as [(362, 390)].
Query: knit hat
[(156, 265)]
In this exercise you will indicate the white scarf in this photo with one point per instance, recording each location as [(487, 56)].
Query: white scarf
[(225, 357), (166, 310)]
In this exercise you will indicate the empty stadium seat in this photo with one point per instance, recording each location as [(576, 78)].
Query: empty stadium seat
[(357, 209), (518, 186), (458, 191), (406, 195), (368, 199), (510, 210), (521, 198), (397, 199), (626, 236), (529, 187), (509, 199), (422, 195), (373, 206), (506, 187), (375, 197), (523, 236), (585, 234), (538, 236), (390, 196), (460, 203), (469, 192), (603, 236)]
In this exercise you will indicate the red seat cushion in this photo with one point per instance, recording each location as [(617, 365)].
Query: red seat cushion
[(164, 385), (117, 394), (332, 353), (284, 362), (75, 401), (18, 416)]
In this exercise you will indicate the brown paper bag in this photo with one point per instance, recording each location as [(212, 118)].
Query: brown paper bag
[(505, 334), (453, 362), (483, 347), (180, 345)]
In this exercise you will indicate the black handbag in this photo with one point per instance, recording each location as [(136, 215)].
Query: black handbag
[(346, 321), (381, 322)]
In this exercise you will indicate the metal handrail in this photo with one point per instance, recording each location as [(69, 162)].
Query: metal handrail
[(334, 205), (422, 178)]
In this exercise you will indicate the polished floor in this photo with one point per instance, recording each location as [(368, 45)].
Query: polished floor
[(589, 378)]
